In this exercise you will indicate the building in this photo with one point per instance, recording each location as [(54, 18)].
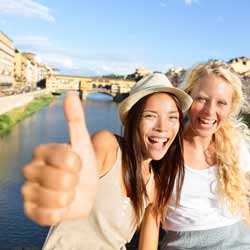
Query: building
[(176, 75), (7, 53), (19, 70), (25, 70), (32, 69), (241, 65), (138, 74)]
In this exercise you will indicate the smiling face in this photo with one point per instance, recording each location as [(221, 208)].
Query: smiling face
[(159, 125), (212, 102)]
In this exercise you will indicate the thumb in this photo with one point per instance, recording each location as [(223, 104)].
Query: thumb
[(81, 144), (74, 114)]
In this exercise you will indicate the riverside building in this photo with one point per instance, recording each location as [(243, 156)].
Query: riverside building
[(7, 53)]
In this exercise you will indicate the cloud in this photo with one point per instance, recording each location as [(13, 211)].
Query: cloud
[(31, 41), (190, 2), (58, 60), (105, 67), (163, 4), (87, 64), (78, 62), (28, 8)]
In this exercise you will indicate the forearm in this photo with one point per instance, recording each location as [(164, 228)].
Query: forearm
[(149, 233)]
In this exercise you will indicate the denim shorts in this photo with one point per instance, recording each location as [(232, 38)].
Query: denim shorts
[(233, 237)]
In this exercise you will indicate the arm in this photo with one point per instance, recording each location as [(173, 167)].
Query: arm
[(105, 146), (61, 179), (246, 208), (245, 167), (149, 233), (246, 215)]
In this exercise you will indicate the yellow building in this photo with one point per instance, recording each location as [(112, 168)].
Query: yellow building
[(28, 71), (64, 82), (19, 70), (25, 70), (141, 72), (241, 65), (45, 71), (7, 52), (31, 68)]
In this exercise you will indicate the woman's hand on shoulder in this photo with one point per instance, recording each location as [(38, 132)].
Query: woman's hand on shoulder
[(105, 146)]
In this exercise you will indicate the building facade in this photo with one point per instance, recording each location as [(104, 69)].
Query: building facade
[(7, 53), (241, 65)]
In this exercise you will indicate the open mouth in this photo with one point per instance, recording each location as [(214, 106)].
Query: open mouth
[(207, 122), (158, 140)]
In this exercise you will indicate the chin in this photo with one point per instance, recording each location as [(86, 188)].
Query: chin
[(205, 133), (157, 157)]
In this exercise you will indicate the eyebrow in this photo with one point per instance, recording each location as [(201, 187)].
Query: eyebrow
[(207, 97), (174, 111)]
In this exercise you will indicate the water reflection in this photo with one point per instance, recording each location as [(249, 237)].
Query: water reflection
[(99, 97)]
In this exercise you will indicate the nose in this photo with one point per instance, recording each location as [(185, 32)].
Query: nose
[(210, 107), (162, 124)]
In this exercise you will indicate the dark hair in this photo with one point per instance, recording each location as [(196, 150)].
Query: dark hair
[(165, 170)]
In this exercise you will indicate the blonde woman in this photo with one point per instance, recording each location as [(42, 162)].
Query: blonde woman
[(213, 210)]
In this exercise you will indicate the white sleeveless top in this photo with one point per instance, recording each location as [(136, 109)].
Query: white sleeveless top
[(200, 208)]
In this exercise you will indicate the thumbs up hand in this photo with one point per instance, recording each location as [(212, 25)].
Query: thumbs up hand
[(61, 180)]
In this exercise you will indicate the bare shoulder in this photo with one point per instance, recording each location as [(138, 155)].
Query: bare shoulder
[(104, 139), (105, 145)]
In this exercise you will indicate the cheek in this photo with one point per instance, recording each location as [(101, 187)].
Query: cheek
[(143, 129), (194, 112), (145, 126), (223, 115), (176, 129), (173, 130), (196, 108)]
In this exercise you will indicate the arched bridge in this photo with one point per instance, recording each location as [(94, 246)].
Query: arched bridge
[(86, 85)]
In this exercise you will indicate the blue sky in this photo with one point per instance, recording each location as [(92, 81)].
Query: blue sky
[(96, 37)]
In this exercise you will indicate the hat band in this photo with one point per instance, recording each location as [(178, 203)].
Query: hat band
[(152, 87)]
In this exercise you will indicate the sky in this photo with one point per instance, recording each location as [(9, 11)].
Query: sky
[(100, 37)]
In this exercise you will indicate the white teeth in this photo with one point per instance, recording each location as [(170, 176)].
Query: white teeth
[(207, 121), (157, 139)]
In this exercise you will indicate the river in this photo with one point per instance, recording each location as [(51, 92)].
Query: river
[(16, 231)]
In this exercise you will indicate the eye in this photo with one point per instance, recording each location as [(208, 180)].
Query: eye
[(174, 118), (223, 103), (201, 99), (149, 116)]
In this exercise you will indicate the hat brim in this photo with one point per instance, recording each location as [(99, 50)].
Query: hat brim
[(131, 100)]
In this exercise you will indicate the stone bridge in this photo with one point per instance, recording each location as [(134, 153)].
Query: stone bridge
[(87, 85)]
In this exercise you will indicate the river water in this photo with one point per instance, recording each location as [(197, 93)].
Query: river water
[(16, 231)]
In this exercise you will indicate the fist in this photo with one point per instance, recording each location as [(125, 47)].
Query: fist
[(51, 180)]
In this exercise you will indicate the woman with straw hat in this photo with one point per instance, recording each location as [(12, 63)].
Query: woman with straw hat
[(134, 171)]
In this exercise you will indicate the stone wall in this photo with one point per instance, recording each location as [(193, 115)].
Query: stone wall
[(8, 103)]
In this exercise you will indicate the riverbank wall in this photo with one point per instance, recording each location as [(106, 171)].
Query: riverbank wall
[(8, 103)]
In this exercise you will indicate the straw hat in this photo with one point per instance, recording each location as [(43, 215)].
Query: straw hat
[(153, 83)]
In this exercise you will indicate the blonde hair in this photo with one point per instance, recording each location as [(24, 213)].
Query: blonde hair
[(232, 182)]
